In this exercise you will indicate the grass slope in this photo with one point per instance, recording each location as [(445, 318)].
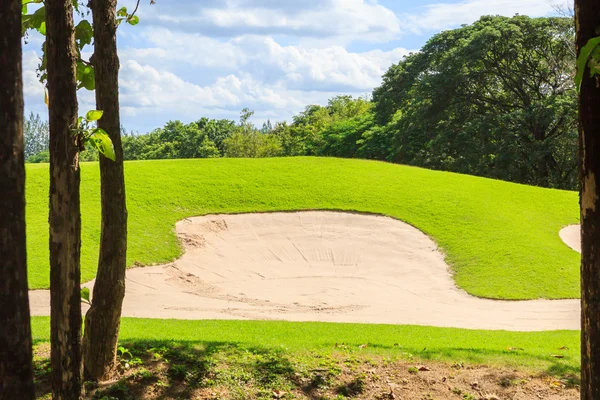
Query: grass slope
[(501, 238), (528, 350)]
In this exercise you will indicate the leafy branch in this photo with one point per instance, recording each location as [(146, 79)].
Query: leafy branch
[(86, 133), (85, 296), (589, 57)]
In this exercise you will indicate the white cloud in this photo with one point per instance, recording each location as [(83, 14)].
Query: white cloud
[(321, 19), (145, 87), (32, 88), (293, 66), (440, 16)]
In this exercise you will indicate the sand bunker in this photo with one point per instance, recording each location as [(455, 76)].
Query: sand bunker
[(571, 235), (318, 266)]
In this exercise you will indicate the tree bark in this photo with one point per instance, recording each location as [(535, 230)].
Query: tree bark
[(103, 318), (587, 20), (65, 218), (16, 372)]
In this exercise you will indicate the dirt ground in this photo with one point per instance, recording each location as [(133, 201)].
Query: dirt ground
[(169, 374)]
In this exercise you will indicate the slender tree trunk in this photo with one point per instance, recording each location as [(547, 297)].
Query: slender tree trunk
[(65, 218), (103, 318), (587, 19), (16, 373)]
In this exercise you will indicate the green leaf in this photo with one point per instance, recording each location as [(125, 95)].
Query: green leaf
[(42, 28), (122, 12), (85, 76), (38, 18), (84, 33), (134, 20), (94, 115), (85, 294), (582, 60), (101, 142)]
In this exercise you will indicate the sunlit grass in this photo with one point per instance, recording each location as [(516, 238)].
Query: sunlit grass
[(500, 238), (529, 350)]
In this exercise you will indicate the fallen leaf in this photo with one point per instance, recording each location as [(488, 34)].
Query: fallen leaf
[(564, 348), (515, 348), (423, 368), (362, 346), (278, 394), (557, 355)]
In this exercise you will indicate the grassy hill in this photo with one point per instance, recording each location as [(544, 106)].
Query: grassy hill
[(500, 238)]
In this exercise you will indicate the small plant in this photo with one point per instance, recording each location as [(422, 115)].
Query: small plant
[(118, 391), (354, 387), (179, 372), (413, 370), (124, 352), (142, 375), (96, 137)]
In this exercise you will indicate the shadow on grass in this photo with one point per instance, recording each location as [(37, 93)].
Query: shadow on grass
[(211, 369)]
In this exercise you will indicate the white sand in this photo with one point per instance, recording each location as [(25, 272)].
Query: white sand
[(571, 235), (318, 266)]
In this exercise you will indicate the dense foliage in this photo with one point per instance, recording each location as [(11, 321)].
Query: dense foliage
[(495, 98)]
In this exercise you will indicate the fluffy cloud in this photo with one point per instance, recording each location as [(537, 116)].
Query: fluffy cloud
[(440, 16), (294, 66), (32, 88), (309, 18), (146, 90)]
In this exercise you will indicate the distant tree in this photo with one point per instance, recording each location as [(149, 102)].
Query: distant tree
[(252, 145), (41, 157), (217, 131), (588, 21), (267, 127), (36, 135), (16, 371), (295, 140), (495, 98), (65, 217), (176, 140)]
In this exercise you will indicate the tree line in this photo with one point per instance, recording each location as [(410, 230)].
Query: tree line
[(495, 99)]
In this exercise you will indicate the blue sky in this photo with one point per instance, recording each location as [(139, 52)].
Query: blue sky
[(193, 58)]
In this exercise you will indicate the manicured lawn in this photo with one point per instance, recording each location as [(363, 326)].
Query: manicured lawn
[(526, 350), (500, 238)]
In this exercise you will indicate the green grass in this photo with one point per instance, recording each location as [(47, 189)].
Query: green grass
[(500, 238), (530, 350)]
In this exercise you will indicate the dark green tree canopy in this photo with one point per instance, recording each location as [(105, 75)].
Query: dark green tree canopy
[(495, 98)]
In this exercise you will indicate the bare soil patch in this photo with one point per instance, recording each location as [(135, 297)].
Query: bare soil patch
[(152, 372)]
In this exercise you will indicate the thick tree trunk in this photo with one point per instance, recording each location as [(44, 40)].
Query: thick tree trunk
[(103, 318), (65, 218), (587, 18), (16, 373)]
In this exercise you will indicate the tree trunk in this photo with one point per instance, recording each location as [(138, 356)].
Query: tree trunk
[(65, 218), (103, 318), (16, 372), (587, 21)]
